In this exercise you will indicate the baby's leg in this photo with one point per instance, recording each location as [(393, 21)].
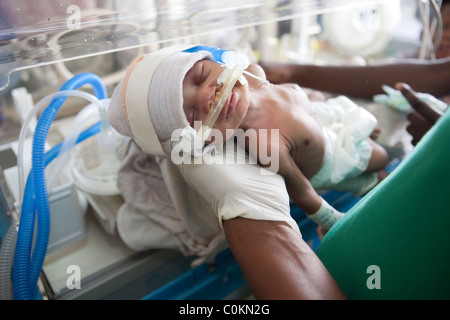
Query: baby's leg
[(379, 158)]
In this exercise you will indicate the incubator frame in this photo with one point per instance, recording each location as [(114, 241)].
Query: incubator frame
[(27, 48)]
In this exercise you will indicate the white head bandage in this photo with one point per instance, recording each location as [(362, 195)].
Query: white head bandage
[(147, 105)]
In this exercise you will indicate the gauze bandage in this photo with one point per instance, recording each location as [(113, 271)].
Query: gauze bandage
[(326, 216)]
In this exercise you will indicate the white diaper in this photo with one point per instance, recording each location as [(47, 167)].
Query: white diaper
[(346, 126)]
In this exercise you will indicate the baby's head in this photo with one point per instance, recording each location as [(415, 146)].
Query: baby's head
[(168, 90), (147, 104)]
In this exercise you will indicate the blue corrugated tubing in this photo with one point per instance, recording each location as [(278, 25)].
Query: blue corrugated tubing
[(25, 270)]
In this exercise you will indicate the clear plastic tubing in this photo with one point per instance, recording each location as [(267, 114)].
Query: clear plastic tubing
[(24, 130), (27, 221), (9, 242), (6, 258), (83, 117), (27, 266)]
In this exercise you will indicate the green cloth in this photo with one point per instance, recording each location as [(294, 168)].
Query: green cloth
[(402, 227)]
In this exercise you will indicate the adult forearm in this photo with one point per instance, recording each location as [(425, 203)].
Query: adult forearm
[(366, 81), (277, 263)]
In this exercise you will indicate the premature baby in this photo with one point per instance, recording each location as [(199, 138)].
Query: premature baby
[(319, 145)]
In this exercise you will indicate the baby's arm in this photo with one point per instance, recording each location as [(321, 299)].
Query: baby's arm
[(303, 194), (298, 186)]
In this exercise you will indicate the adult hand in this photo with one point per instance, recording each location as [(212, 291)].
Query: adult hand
[(423, 117)]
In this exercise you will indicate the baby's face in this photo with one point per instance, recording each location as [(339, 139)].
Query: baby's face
[(199, 90)]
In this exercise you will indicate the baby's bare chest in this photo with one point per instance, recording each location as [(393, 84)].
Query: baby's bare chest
[(297, 133)]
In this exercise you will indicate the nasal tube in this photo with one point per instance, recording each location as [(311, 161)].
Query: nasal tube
[(220, 100)]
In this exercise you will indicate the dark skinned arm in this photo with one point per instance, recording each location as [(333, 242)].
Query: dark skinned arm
[(432, 77), (276, 261)]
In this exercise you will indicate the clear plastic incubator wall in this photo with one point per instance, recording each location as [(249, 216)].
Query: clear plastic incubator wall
[(59, 62)]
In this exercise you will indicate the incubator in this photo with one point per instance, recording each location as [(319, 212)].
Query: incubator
[(63, 163)]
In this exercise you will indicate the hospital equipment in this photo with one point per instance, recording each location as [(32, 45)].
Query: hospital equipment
[(41, 54), (220, 99), (26, 273)]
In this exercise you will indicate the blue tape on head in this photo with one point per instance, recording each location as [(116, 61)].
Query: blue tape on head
[(215, 52)]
